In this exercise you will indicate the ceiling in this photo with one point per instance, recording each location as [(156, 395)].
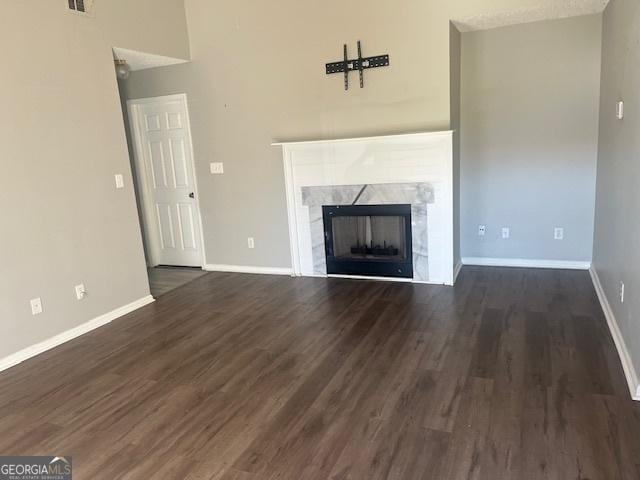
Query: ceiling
[(545, 10), (141, 60)]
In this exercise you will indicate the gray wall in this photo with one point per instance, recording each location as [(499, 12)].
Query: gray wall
[(616, 255), (245, 92), (63, 221), (529, 143)]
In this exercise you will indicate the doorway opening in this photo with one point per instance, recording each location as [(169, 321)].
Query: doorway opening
[(161, 151)]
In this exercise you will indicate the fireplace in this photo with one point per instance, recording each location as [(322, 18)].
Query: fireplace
[(413, 169), (373, 240)]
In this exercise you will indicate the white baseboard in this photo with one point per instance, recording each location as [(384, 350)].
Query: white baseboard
[(627, 364), (64, 337), (380, 279), (248, 269), (526, 263), (456, 270), (369, 277)]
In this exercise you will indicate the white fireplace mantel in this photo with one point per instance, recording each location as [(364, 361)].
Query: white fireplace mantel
[(414, 168)]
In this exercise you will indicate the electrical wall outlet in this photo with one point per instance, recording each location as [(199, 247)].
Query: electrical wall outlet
[(119, 180), (506, 232), (81, 292), (482, 229), (621, 292), (36, 306), (217, 168), (251, 243), (558, 233)]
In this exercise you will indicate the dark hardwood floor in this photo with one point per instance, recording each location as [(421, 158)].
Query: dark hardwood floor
[(164, 279), (512, 374)]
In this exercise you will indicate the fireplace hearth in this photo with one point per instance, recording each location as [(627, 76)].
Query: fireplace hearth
[(370, 240)]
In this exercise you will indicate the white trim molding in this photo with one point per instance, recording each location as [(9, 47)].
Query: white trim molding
[(379, 279), (446, 133), (456, 270), (526, 263), (248, 269), (64, 337), (625, 358)]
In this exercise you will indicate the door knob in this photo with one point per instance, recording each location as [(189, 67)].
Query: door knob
[(192, 195)]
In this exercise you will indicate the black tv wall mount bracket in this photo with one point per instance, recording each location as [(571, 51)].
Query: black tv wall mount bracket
[(360, 64)]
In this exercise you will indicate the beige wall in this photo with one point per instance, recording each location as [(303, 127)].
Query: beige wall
[(151, 26), (529, 139), (616, 256), (63, 222), (258, 76)]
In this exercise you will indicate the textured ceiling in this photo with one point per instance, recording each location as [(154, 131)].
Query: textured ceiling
[(142, 60), (546, 10)]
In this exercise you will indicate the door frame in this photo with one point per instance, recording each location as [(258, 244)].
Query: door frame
[(150, 225)]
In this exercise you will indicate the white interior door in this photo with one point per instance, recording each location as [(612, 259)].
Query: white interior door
[(166, 178)]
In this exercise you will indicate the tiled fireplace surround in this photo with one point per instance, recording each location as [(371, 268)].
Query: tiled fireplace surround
[(418, 195)]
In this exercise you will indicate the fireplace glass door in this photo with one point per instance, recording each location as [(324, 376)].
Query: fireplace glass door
[(368, 240)]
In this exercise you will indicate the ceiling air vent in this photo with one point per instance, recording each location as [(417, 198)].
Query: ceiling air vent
[(82, 7)]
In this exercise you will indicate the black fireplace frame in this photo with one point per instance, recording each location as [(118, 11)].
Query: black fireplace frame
[(367, 267)]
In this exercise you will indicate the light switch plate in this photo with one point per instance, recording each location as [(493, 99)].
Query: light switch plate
[(506, 232), (217, 168), (620, 110), (119, 181), (80, 291)]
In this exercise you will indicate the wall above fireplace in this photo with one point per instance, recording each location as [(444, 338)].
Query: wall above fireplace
[(413, 169)]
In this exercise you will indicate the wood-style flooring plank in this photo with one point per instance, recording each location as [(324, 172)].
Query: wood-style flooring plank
[(511, 374)]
